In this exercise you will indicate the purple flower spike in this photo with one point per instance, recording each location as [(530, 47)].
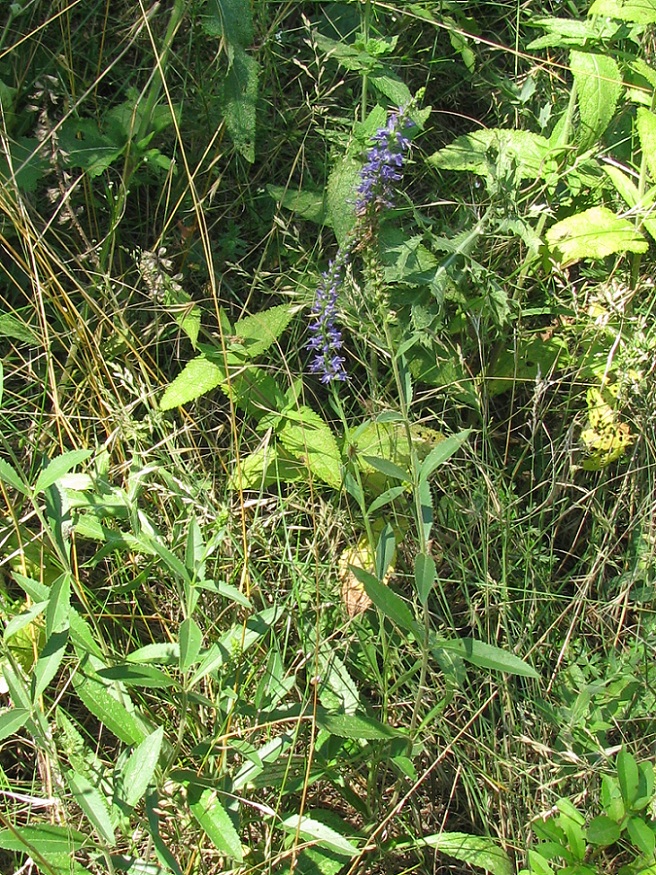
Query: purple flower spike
[(383, 167), (326, 338)]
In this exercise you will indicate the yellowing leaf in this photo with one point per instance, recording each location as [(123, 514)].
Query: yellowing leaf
[(595, 233)]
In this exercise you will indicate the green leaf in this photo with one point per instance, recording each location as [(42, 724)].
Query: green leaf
[(230, 19), (28, 165), (391, 86), (475, 152), (485, 655), (598, 85), (164, 653), (318, 832), (637, 11), (309, 205), (12, 720), (213, 819), (9, 476), (389, 469), (641, 205), (442, 452), (191, 639), (138, 676), (114, 715), (261, 330), (58, 467), (10, 326), (340, 196), (240, 89), (93, 804), (306, 436), (357, 726), (603, 831), (642, 836), (48, 663), (387, 601), (198, 377), (425, 576), (475, 850), (594, 233), (138, 770), (387, 497), (85, 146), (628, 776), (59, 604), (646, 126), (44, 839)]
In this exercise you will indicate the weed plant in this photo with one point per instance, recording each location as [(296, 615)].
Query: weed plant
[(327, 437)]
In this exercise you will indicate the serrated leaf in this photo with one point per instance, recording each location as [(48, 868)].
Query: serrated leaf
[(595, 233), (475, 850), (59, 604), (475, 152), (198, 377), (598, 86), (357, 726), (93, 804), (85, 146), (133, 675), (240, 90), (12, 720), (325, 836), (390, 86), (138, 770), (310, 205), (425, 576), (341, 196), (384, 466), (9, 476), (58, 467), (386, 600), (637, 11), (231, 19), (10, 326), (306, 436), (646, 126), (261, 330), (268, 466), (44, 838), (47, 665), (111, 713), (213, 819)]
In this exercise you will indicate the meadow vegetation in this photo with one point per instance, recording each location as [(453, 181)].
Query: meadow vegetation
[(327, 437)]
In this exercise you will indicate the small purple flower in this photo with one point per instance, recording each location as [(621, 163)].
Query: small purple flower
[(326, 340), (383, 167)]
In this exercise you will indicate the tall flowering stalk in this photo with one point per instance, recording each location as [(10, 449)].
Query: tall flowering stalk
[(375, 192)]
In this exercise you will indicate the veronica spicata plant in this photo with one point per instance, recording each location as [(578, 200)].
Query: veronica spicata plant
[(375, 192)]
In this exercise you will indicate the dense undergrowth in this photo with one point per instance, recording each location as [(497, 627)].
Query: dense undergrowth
[(259, 622)]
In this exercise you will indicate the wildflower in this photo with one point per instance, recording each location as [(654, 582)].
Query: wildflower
[(383, 167), (326, 338)]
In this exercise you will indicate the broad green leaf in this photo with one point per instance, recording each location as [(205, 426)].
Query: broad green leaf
[(485, 655), (113, 714), (255, 391), (389, 469), (93, 804), (425, 576), (170, 560), (138, 770), (213, 819), (28, 166), (85, 146), (164, 653), (386, 600), (230, 19), (261, 330), (58, 467), (310, 205), (191, 639), (637, 11), (9, 476), (133, 675), (318, 832), (628, 776), (391, 86), (646, 125), (628, 190), (307, 437), (611, 798), (387, 497), (642, 836), (594, 233), (59, 605), (477, 851), (47, 665), (240, 89), (198, 377), (442, 452), (603, 831), (474, 152), (337, 689), (340, 197), (388, 439), (25, 618), (598, 85), (12, 720), (44, 838), (10, 326), (227, 590), (357, 726), (563, 32)]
